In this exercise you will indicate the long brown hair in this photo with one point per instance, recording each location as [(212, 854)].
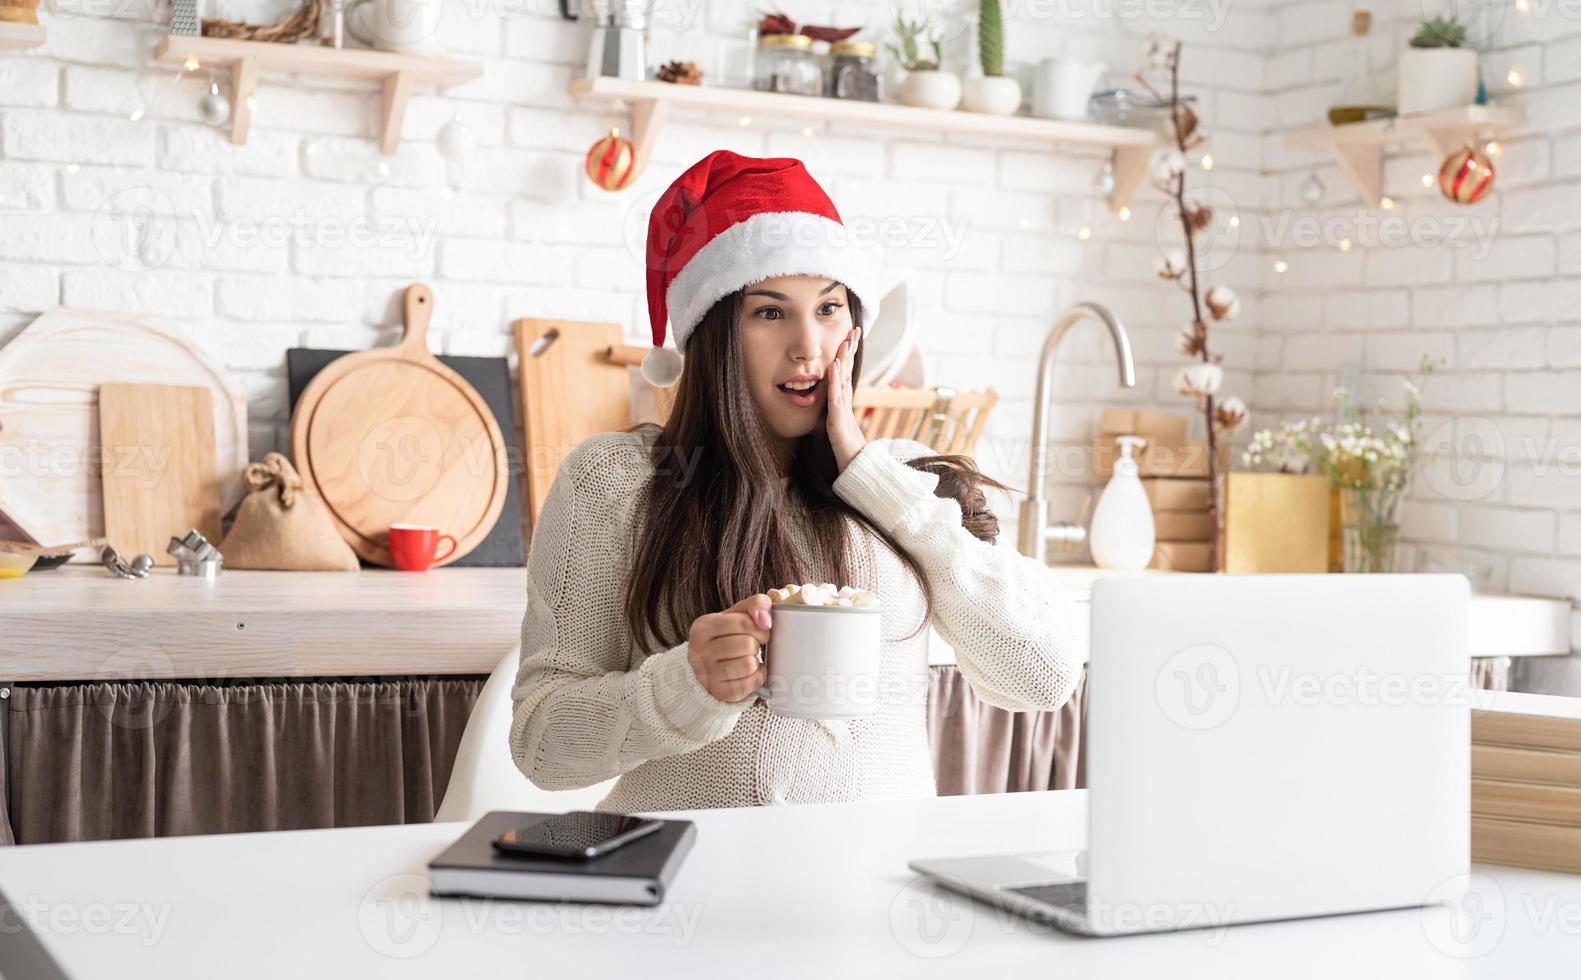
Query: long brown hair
[(713, 534)]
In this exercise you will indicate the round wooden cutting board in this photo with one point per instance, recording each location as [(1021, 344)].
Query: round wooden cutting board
[(393, 436)]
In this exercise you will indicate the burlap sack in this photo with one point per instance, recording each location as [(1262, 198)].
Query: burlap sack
[(281, 525)]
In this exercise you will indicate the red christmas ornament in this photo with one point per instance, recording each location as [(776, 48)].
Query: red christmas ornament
[(1466, 176), (611, 162)]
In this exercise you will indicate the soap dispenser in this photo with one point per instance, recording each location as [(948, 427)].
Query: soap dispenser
[(1122, 524)]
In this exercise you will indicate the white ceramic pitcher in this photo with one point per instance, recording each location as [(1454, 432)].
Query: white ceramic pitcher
[(1063, 86)]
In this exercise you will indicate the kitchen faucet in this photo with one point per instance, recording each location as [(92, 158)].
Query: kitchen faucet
[(1035, 530)]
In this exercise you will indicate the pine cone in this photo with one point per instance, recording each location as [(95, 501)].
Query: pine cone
[(681, 73)]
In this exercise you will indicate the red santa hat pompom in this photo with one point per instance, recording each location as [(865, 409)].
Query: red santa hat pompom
[(730, 221)]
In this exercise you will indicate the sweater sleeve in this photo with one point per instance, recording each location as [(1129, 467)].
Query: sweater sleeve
[(1007, 618), (580, 716)]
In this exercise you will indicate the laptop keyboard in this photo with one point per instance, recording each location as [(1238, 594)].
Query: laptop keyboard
[(1066, 894)]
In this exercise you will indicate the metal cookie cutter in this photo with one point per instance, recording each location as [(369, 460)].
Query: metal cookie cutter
[(139, 567), (195, 555)]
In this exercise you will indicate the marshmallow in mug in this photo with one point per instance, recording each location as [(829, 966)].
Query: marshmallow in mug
[(825, 594)]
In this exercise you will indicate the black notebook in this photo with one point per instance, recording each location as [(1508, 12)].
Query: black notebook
[(638, 873)]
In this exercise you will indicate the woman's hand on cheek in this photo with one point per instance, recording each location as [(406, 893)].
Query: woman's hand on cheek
[(845, 436)]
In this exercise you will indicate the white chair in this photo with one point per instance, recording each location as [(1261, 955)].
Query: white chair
[(485, 776)]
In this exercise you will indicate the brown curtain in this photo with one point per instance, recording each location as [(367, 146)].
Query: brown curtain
[(101, 761), (980, 748)]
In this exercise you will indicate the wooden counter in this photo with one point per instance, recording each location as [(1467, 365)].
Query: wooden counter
[(79, 623)]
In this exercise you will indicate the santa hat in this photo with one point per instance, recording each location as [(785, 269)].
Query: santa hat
[(730, 221)]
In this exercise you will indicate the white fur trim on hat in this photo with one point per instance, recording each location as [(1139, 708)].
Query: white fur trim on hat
[(763, 246)]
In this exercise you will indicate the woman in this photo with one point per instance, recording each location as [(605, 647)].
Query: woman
[(650, 562)]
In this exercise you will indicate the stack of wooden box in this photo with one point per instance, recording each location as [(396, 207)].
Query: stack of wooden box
[(1174, 471), (1526, 782)]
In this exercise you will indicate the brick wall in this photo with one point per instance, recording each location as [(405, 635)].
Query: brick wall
[(307, 234)]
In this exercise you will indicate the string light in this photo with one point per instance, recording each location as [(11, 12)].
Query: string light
[(1083, 233), (1125, 214), (1207, 161), (1523, 6), (384, 169), (252, 103), (807, 132), (1344, 244), (745, 121), (1235, 221), (1280, 265), (72, 168), (1515, 78), (136, 114), (191, 64), (1427, 180), (1387, 203), (1495, 148)]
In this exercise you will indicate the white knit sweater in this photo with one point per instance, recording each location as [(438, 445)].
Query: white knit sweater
[(589, 705)]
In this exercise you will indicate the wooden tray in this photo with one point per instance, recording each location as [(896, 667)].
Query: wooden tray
[(50, 375), (393, 436)]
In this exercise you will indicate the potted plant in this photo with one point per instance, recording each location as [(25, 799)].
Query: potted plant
[(926, 85), (1437, 71), (1370, 465), (993, 93)]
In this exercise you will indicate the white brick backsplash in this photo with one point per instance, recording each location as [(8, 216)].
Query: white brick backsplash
[(65, 138), (515, 262), (1509, 347), (177, 294), (263, 298), (1454, 306), (1570, 533), (28, 288), (26, 185), (1508, 257), (517, 230), (1564, 347), (1371, 309), (1545, 392), (1504, 528), (968, 166), (35, 236), (30, 82), (359, 161), (205, 150)]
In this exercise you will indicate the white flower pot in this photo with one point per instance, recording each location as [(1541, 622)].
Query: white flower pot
[(931, 90), (995, 95), (1436, 78)]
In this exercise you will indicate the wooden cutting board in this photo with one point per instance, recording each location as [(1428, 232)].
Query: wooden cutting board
[(160, 474), (570, 390), (50, 374), (393, 436)]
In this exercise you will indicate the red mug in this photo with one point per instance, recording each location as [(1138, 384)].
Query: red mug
[(413, 546)]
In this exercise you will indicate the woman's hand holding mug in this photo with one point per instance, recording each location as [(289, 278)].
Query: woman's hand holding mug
[(723, 648)]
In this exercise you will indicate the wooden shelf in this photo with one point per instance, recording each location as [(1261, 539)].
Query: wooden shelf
[(20, 37), (244, 59), (649, 103), (1358, 147)]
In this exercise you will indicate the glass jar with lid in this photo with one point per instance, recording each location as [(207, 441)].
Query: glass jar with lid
[(785, 64), (853, 72)]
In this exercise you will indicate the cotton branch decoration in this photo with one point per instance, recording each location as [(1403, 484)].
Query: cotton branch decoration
[(1202, 379)]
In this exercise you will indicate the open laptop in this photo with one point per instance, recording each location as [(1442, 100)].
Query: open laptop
[(1258, 747)]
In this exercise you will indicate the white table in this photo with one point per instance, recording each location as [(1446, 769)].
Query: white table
[(791, 891)]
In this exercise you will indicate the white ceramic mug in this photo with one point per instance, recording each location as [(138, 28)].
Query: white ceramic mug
[(823, 661), (408, 26)]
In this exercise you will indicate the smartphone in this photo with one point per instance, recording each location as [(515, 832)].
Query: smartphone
[(578, 834)]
